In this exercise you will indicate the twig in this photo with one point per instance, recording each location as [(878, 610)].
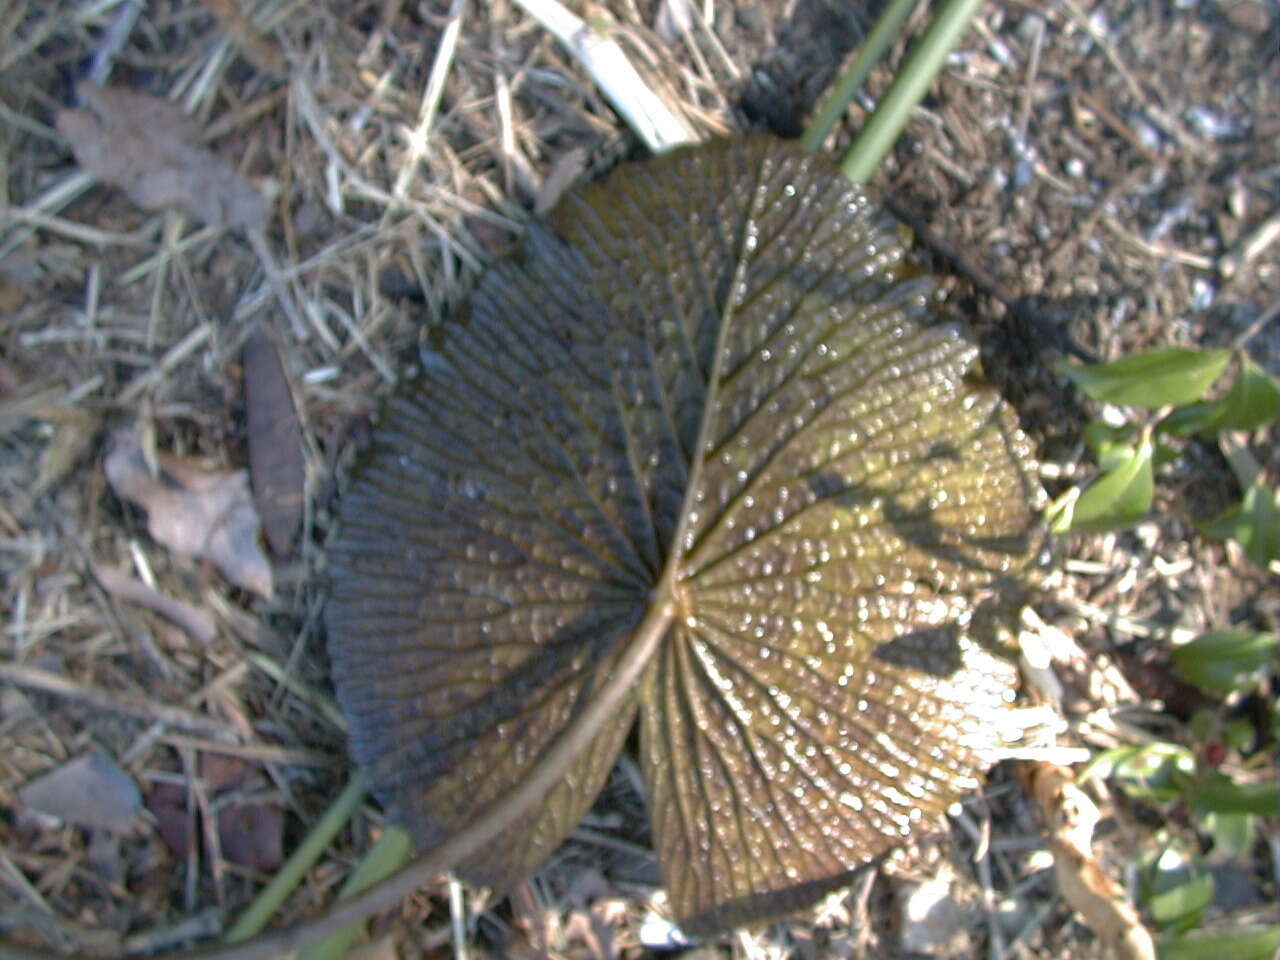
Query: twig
[(260, 752), (1251, 247), (458, 920), (1249, 332), (179, 352), (113, 41), (198, 624), (257, 48), (1071, 816), (1029, 82), (1155, 251), (33, 678)]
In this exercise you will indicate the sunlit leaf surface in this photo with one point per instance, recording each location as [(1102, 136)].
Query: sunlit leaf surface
[(708, 381)]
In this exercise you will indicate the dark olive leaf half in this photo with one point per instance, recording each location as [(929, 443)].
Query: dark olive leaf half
[(708, 384)]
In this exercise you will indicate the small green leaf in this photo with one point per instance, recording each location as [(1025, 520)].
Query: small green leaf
[(1254, 400), (1205, 724), (1192, 419), (1182, 905), (1232, 833), (1254, 523), (1157, 378), (1180, 890), (1218, 793), (1121, 496), (1059, 515), (1110, 445), (1223, 659), (1240, 735), (1257, 943), (1154, 771)]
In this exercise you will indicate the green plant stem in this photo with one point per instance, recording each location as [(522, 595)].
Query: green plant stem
[(908, 88), (391, 852), (873, 48), (290, 874)]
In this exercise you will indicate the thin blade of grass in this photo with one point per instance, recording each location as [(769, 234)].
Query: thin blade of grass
[(391, 852), (908, 88), (302, 859), (850, 83)]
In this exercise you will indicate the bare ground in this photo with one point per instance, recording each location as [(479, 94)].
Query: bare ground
[(1098, 178)]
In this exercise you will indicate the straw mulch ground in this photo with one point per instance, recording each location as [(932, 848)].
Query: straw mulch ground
[(1099, 177)]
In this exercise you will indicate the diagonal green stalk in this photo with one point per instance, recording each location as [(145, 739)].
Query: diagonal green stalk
[(873, 49), (909, 85), (302, 859), (391, 852)]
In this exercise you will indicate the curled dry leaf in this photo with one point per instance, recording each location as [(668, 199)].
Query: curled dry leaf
[(276, 464), (1070, 817), (195, 511), (151, 150)]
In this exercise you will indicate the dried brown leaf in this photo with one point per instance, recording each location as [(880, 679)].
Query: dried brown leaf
[(1071, 816), (76, 430), (249, 834), (252, 835), (167, 804), (195, 511), (276, 464), (260, 51), (151, 150)]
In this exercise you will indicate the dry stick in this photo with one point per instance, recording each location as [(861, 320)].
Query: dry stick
[(545, 774), (33, 678)]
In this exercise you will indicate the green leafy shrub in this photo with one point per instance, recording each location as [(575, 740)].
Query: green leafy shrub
[(1217, 775), (1171, 384)]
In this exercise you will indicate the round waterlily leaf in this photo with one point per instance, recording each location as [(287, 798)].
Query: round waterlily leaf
[(710, 386)]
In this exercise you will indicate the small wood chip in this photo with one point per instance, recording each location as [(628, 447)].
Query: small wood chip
[(276, 465)]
